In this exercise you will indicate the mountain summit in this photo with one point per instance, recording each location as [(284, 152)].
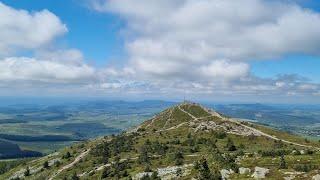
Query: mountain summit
[(195, 118), (186, 141)]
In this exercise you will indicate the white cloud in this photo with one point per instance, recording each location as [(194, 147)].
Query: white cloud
[(68, 56), (198, 47), (225, 69), (186, 39), (35, 31), (42, 71), (21, 29)]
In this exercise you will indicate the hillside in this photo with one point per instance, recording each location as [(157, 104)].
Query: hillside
[(10, 150), (183, 142)]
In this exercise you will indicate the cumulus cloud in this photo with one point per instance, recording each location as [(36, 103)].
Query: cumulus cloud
[(17, 69), (198, 47), (207, 45), (171, 37), (68, 56), (35, 31), (21, 29)]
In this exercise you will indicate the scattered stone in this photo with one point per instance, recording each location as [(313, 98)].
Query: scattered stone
[(316, 177), (226, 173), (140, 175), (260, 173), (243, 170), (51, 162), (167, 173), (294, 152), (291, 177)]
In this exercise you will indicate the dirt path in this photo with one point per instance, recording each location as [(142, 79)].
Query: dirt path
[(273, 137), (192, 116), (262, 133), (99, 168), (167, 121), (215, 114), (76, 160), (173, 127), (212, 113)]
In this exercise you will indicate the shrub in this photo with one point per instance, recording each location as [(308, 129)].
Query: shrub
[(178, 158), (205, 173), (66, 156), (27, 172), (274, 153), (283, 163), (304, 167), (106, 172), (220, 134), (74, 176), (46, 165), (230, 145)]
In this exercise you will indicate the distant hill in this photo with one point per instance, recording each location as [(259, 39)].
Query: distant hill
[(10, 150), (185, 141)]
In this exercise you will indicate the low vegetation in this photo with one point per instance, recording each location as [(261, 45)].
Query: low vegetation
[(175, 145)]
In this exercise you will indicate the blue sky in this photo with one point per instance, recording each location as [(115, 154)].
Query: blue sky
[(98, 36), (95, 34), (115, 48), (307, 66)]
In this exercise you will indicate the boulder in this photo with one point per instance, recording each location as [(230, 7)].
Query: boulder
[(140, 175), (260, 173), (225, 174), (316, 177), (289, 177), (243, 170)]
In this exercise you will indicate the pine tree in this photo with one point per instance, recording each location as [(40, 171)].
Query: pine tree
[(46, 165), (283, 164), (105, 153), (27, 172), (106, 172), (143, 157), (178, 158), (154, 176), (74, 176), (215, 174), (179, 172), (66, 156), (230, 145), (204, 171)]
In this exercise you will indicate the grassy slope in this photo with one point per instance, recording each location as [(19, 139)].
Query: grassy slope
[(250, 146), (286, 136)]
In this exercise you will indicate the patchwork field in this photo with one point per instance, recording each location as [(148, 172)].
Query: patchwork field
[(45, 127)]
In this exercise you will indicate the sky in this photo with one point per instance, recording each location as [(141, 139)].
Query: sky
[(204, 50)]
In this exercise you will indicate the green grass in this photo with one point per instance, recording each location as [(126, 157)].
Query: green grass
[(286, 136), (247, 150), (195, 110)]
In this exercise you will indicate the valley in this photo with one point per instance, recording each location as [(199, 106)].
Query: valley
[(45, 127)]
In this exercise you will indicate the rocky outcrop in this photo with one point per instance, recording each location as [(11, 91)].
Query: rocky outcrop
[(167, 172), (225, 174), (260, 173), (243, 170), (316, 177)]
